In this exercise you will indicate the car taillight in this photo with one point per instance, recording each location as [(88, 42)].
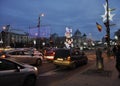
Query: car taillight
[(53, 53), (68, 58), (3, 56)]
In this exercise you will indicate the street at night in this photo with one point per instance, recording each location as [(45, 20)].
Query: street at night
[(49, 75), (59, 43)]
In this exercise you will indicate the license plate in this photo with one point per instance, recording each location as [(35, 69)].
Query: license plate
[(60, 59)]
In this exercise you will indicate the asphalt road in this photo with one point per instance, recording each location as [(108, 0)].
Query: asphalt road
[(49, 74)]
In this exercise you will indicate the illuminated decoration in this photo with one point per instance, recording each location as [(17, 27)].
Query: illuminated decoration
[(105, 15), (69, 40), (43, 32)]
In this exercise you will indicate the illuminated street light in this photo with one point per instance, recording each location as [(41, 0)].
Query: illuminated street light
[(38, 41), (6, 35), (4, 28), (116, 37), (41, 15)]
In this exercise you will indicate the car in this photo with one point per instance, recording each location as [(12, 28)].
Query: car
[(35, 52), (70, 58), (22, 55), (49, 54), (16, 74)]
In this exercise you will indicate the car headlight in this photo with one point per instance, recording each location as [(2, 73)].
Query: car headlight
[(35, 68)]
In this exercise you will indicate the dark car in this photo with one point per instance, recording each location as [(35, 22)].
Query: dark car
[(69, 58), (16, 74), (49, 54)]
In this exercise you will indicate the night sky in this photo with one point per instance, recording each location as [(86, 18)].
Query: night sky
[(59, 14)]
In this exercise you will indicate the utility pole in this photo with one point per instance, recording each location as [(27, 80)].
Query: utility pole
[(106, 19), (108, 30)]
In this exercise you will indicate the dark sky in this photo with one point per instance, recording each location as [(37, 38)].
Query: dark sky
[(59, 14)]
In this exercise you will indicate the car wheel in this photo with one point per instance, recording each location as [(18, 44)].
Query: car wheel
[(30, 81), (39, 62)]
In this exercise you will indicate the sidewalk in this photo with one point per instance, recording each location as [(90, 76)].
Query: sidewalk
[(89, 77)]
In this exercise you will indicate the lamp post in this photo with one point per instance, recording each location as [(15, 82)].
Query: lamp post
[(6, 35), (106, 18), (38, 41), (108, 30)]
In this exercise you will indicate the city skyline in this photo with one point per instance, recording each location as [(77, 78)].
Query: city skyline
[(59, 14)]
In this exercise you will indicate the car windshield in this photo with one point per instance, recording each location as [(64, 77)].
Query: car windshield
[(62, 53)]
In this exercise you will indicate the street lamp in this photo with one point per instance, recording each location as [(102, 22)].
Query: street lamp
[(41, 15), (6, 35), (116, 39)]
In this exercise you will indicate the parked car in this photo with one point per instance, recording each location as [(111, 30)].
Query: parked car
[(16, 74), (49, 54), (69, 58), (22, 55)]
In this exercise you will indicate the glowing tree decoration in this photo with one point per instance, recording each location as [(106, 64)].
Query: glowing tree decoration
[(69, 40)]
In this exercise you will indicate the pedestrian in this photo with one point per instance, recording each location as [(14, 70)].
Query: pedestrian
[(99, 59), (117, 56)]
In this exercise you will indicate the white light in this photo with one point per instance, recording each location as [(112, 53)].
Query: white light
[(109, 14), (116, 37), (4, 27), (42, 14), (35, 68), (34, 42)]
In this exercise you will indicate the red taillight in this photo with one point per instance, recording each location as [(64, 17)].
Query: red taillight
[(53, 53)]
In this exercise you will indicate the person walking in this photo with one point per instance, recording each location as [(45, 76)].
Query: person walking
[(99, 59), (117, 56)]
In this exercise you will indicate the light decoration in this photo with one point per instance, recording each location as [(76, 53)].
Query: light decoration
[(69, 40), (109, 14)]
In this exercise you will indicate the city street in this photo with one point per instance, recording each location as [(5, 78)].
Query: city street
[(49, 74), (59, 43), (82, 76)]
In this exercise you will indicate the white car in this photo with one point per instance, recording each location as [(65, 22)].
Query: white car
[(16, 74), (24, 56)]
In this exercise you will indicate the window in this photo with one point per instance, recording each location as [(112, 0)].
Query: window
[(13, 53), (7, 65)]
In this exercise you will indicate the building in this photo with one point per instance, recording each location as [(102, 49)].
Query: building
[(14, 38)]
